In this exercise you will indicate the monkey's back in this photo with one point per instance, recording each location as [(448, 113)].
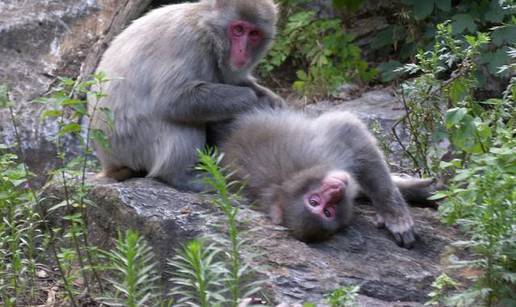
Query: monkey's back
[(268, 146), (145, 65)]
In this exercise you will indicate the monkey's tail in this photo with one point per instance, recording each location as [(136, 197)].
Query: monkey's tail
[(416, 191)]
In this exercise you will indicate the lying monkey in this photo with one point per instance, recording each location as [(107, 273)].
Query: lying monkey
[(305, 172)]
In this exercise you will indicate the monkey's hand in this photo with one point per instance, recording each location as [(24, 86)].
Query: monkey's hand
[(273, 102), (401, 227), (267, 98)]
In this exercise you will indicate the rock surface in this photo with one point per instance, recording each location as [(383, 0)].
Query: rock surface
[(295, 272), (41, 40)]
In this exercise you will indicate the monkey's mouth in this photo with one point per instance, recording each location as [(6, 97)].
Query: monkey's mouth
[(238, 66)]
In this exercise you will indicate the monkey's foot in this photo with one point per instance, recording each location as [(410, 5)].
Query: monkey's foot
[(402, 228)]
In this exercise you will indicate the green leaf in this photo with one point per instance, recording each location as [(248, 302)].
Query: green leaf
[(461, 22), (422, 9), (443, 5), (70, 128), (298, 85), (57, 206), (51, 113), (484, 131), (350, 5), (454, 116), (495, 13), (494, 60), (301, 75), (438, 195), (100, 138), (458, 90), (465, 136), (504, 35), (387, 72), (383, 38), (4, 97), (407, 50)]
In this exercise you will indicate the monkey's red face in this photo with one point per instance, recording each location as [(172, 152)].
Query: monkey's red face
[(323, 202), (244, 38)]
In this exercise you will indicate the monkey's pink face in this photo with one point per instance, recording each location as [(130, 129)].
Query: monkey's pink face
[(244, 38), (323, 202)]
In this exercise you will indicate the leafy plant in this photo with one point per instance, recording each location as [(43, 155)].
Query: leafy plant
[(480, 159), (21, 237), (323, 54), (426, 99), (227, 192), (441, 285), (198, 276), (133, 273), (413, 30), (343, 296), (215, 275), (481, 199), (67, 110)]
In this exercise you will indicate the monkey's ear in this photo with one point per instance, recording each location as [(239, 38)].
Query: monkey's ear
[(271, 201)]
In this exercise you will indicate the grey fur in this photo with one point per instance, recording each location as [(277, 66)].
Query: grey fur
[(281, 152), (169, 78)]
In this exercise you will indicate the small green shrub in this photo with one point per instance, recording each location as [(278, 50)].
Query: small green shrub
[(132, 273), (343, 296), (480, 157), (441, 109), (321, 52), (482, 200), (413, 29), (198, 275), (215, 275)]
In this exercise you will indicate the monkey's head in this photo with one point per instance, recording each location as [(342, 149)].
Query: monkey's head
[(248, 26), (315, 203)]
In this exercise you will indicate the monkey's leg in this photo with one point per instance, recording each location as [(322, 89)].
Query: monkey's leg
[(358, 153), (176, 156)]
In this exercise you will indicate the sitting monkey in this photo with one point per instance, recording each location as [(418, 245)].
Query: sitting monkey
[(306, 171)]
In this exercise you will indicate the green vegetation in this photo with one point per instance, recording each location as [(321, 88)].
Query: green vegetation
[(438, 110), (343, 297), (481, 161), (134, 276), (456, 134), (322, 54), (413, 29), (125, 276), (202, 278)]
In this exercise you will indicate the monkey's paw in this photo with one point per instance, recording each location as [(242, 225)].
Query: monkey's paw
[(401, 227), (272, 101)]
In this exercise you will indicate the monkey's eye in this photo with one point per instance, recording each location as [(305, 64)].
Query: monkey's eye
[(238, 30), (327, 213), (254, 34), (313, 203)]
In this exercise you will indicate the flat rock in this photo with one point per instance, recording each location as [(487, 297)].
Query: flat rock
[(295, 271)]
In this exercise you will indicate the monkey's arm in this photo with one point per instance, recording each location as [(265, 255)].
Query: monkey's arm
[(208, 102), (358, 153)]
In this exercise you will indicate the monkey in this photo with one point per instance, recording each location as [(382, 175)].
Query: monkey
[(173, 73), (305, 172)]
